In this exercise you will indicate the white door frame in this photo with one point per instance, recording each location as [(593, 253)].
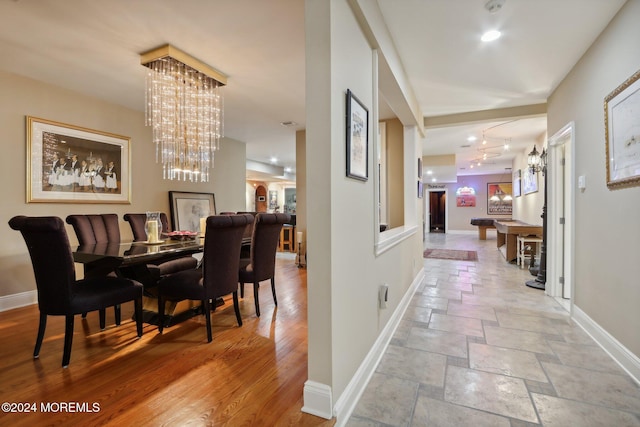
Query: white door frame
[(427, 211), (561, 188)]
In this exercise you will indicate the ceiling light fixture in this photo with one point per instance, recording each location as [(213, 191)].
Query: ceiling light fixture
[(491, 35), (184, 107)]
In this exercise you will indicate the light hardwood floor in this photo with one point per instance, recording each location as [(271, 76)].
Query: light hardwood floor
[(248, 376)]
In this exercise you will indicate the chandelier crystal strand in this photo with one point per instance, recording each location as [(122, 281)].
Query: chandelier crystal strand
[(184, 108)]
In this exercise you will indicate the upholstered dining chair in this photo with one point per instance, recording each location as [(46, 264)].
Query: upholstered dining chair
[(218, 275), (59, 293), (245, 252), (261, 263), (97, 229)]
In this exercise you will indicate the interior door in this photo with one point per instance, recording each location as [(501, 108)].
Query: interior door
[(437, 211), (560, 261)]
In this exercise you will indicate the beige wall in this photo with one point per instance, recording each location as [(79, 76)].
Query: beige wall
[(22, 97), (395, 172), (301, 188), (607, 228), (344, 273)]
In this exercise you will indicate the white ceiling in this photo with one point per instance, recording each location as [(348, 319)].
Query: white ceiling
[(93, 47)]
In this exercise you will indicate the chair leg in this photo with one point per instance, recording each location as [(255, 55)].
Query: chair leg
[(236, 307), (84, 315), (241, 290), (207, 316), (103, 319), (117, 313), (68, 339), (41, 328), (138, 310), (273, 290), (256, 285), (160, 312)]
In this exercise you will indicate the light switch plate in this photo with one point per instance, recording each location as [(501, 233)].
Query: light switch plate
[(582, 182)]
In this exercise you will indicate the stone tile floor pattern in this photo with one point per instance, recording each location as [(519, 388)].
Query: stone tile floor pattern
[(476, 347)]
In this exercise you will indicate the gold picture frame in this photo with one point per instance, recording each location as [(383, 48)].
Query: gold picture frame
[(72, 164), (622, 134)]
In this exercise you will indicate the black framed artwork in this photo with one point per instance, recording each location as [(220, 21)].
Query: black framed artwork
[(357, 138), (187, 209)]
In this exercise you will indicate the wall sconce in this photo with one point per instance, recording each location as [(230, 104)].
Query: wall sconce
[(537, 162)]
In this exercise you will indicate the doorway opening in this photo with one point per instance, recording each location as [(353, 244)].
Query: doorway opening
[(561, 225), (437, 211), (261, 199)]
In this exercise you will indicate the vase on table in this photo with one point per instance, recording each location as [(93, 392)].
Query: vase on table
[(153, 227)]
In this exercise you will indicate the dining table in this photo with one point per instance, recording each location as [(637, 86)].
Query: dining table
[(131, 259)]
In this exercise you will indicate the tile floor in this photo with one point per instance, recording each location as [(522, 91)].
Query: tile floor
[(477, 347)]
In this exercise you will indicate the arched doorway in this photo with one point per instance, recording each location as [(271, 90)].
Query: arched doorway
[(261, 199)]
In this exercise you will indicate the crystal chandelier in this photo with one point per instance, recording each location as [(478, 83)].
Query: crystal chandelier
[(184, 107)]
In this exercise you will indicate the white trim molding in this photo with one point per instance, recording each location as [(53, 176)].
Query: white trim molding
[(392, 237), (625, 358), (346, 403), (9, 302), (317, 399)]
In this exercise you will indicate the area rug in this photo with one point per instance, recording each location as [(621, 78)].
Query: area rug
[(452, 254)]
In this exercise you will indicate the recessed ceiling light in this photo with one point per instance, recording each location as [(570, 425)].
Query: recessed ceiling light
[(490, 36), (287, 169), (274, 159), (433, 180), (429, 172), (471, 138)]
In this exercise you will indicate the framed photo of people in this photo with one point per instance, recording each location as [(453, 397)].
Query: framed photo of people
[(72, 164)]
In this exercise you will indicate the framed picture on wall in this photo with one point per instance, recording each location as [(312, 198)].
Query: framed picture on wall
[(517, 180), (622, 133), (273, 199), (357, 138), (188, 208), (529, 181), (499, 198), (72, 164)]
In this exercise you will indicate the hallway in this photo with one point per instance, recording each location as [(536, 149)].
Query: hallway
[(476, 347)]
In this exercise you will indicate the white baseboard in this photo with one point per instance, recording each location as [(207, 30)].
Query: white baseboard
[(317, 399), (625, 358), (9, 302), (346, 403)]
